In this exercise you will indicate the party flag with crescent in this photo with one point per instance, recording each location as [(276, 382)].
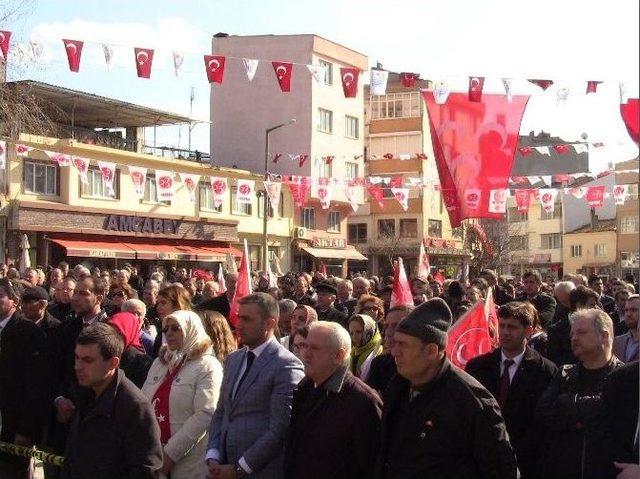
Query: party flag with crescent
[(283, 72), (475, 88), (144, 60), (74, 53), (5, 36), (409, 80), (219, 189), (214, 64), (138, 176), (349, 81), (401, 293)]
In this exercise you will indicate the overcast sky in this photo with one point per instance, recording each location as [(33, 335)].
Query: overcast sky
[(567, 41)]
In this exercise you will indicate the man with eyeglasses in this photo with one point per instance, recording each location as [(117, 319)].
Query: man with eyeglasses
[(60, 308)]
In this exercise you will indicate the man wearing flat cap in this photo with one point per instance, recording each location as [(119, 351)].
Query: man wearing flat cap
[(327, 294), (437, 420)]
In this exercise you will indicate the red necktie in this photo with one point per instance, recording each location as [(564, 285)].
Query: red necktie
[(505, 382)]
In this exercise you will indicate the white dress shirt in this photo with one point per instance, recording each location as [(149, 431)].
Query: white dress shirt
[(514, 367)]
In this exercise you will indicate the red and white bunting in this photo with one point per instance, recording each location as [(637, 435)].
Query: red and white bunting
[(472, 198), (548, 199), (299, 187), (108, 172), (138, 176), (165, 185), (561, 149), (190, 182), (349, 78), (508, 88), (620, 193), (324, 193), (82, 165), (5, 36), (402, 195), (74, 53), (108, 55), (60, 158), (273, 189), (476, 84), (350, 193), (302, 159), (543, 150), (377, 194), (178, 61), (246, 191), (592, 86), (441, 92), (498, 200), (283, 71), (3, 155), (523, 200), (580, 148), (595, 196), (214, 64), (318, 72), (576, 192), (219, 189), (544, 84), (250, 67), (409, 80), (22, 150), (144, 61)]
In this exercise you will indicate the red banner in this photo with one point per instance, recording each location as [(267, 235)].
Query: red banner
[(283, 74), (595, 196), (350, 81), (215, 67), (470, 336), (409, 80), (630, 114), (523, 199), (74, 53), (474, 146), (144, 60), (5, 36)]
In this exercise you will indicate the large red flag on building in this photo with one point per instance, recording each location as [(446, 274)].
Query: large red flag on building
[(401, 294), (243, 286), (475, 333), (474, 145)]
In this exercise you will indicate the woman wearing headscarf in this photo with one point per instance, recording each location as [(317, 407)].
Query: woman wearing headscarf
[(183, 386), (134, 361), (302, 315), (366, 343)]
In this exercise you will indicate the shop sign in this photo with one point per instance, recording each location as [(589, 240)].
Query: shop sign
[(141, 224), (542, 258), (439, 243), (102, 253), (329, 243)]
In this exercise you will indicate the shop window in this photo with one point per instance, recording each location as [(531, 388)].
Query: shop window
[(95, 187), (40, 178), (409, 228), (206, 199)]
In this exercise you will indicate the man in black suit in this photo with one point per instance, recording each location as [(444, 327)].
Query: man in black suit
[(607, 303), (345, 301), (222, 303), (326, 312), (517, 376), (23, 381), (617, 316), (544, 304)]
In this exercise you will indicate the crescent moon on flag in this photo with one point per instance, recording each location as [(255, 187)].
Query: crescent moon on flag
[(475, 83), (284, 71), (72, 47), (141, 55), (495, 127), (214, 62), (459, 356), (348, 75)]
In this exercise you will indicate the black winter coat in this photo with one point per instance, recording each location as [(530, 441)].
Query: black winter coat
[(545, 305), (333, 315), (451, 430), (559, 344), (135, 365)]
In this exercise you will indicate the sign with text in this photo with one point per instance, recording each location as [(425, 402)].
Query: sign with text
[(141, 224), (329, 243)]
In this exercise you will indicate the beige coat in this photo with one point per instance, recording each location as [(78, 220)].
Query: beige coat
[(192, 402)]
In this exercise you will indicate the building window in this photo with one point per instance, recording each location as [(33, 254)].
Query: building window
[(576, 250), (308, 219), (435, 228), (151, 191), (387, 228), (351, 169), (206, 199), (325, 169), (519, 242), (271, 212), (556, 213), (358, 233), (238, 208), (325, 120), (516, 216), (328, 71), (333, 222), (551, 241), (408, 228), (396, 105), (351, 127), (629, 224), (600, 250), (40, 178), (95, 187)]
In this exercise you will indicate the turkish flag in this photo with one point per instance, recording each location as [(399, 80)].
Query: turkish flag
[(474, 146), (544, 84), (243, 288), (471, 336), (283, 74), (144, 60), (5, 36), (475, 89), (376, 192), (349, 81), (409, 80), (630, 115), (592, 86), (561, 149), (74, 53), (401, 294), (525, 150), (595, 196), (214, 65)]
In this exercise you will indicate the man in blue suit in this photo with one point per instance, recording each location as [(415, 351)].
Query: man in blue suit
[(249, 428)]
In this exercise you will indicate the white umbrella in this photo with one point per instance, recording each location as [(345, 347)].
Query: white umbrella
[(25, 259)]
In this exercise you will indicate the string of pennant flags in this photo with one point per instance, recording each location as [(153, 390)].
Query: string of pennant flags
[(378, 187), (214, 69)]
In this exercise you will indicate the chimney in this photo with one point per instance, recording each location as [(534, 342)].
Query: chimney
[(594, 219)]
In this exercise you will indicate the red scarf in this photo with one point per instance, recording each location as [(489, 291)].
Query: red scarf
[(161, 405)]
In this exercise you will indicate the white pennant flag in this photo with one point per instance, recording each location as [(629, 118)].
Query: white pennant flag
[(82, 165), (404, 157), (318, 71), (3, 155), (402, 195), (543, 150), (37, 48), (378, 85), (498, 201), (165, 185), (219, 188), (620, 193), (250, 66), (624, 93), (222, 284), (108, 55), (138, 176), (562, 93), (441, 92), (245, 191), (60, 158), (190, 182), (350, 193), (273, 189), (580, 148), (508, 84), (323, 192), (232, 266), (375, 180), (108, 172), (576, 192), (548, 199), (546, 179), (178, 61)]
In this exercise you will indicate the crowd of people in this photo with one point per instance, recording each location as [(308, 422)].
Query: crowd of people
[(131, 375)]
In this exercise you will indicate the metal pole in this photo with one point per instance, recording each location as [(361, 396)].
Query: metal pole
[(265, 202)]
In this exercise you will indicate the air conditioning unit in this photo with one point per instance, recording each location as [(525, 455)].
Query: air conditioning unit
[(300, 232)]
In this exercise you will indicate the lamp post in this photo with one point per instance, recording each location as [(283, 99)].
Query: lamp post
[(265, 199)]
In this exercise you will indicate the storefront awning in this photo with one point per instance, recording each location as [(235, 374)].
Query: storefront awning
[(120, 248), (331, 253)]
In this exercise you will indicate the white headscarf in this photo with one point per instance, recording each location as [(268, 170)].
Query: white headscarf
[(194, 338)]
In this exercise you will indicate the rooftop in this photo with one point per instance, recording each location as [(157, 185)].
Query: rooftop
[(599, 227)]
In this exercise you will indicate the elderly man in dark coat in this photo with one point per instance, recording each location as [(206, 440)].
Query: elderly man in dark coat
[(325, 307), (335, 421), (437, 420)]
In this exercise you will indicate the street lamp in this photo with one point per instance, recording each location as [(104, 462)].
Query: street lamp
[(265, 199)]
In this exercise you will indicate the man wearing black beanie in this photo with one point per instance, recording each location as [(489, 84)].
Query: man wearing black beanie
[(437, 420)]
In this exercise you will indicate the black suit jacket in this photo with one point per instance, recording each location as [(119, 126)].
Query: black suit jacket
[(531, 379), (545, 305), (559, 345), (219, 303), (608, 303), (332, 314)]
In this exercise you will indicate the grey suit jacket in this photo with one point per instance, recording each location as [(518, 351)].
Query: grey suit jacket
[(620, 348), (254, 424)]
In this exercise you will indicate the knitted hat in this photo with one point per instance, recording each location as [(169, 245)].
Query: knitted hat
[(429, 322)]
